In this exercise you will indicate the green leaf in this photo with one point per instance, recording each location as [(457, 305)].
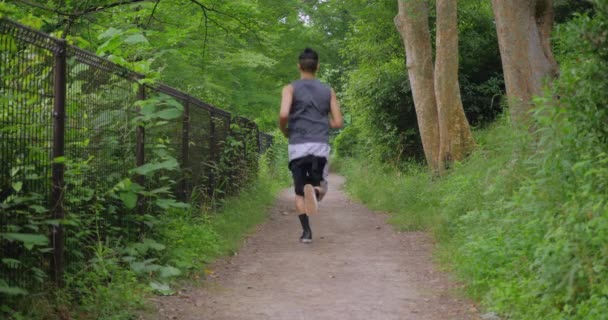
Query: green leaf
[(152, 244), (11, 263), (170, 203), (147, 109), (136, 38), (169, 114), (111, 45), (59, 159), (52, 222), (112, 32), (17, 186), (11, 291), (149, 168), (29, 240), (169, 271), (160, 123), (129, 258), (161, 288), (129, 199), (160, 190), (118, 59), (176, 104), (138, 267)]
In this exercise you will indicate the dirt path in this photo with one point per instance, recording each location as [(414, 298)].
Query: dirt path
[(356, 268)]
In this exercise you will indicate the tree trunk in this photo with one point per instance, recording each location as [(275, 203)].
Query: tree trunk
[(456, 140), (412, 23), (524, 29)]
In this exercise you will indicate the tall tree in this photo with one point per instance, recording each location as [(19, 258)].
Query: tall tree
[(524, 36), (456, 139), (444, 129), (412, 23)]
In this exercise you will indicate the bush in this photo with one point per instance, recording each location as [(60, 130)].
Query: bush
[(345, 144), (524, 221)]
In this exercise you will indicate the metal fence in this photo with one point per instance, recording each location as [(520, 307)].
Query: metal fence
[(73, 124)]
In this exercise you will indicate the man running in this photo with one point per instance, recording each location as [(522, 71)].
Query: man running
[(308, 109)]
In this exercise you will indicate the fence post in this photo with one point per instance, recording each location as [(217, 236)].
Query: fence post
[(140, 149), (231, 171), (185, 194), (58, 166), (243, 135), (213, 150), (259, 137), (270, 142)]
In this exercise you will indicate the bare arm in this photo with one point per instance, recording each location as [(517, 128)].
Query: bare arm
[(286, 100), (335, 121)]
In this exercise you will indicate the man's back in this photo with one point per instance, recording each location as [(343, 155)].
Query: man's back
[(309, 113)]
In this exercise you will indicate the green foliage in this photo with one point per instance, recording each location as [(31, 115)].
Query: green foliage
[(112, 257), (228, 54), (345, 144), (375, 89), (237, 165), (381, 106), (117, 276), (194, 239), (235, 54), (524, 221), (569, 262), (107, 288), (568, 9), (480, 72), (415, 198)]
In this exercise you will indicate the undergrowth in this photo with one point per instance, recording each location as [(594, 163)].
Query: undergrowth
[(525, 245), (524, 221), (195, 240), (116, 282)]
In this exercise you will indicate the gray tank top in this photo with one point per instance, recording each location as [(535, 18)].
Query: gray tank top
[(309, 115)]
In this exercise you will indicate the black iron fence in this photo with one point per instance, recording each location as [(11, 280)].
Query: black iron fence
[(73, 127)]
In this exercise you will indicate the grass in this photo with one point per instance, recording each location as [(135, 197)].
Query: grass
[(522, 222), (184, 244), (417, 201), (194, 241)]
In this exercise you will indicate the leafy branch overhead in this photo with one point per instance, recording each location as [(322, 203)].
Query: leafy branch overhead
[(71, 12)]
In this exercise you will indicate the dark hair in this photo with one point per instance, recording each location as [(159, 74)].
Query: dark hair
[(309, 60)]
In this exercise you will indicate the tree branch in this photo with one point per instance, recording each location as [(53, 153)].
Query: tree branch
[(206, 29), (45, 8), (107, 6), (86, 11), (241, 22), (219, 25), (67, 28), (153, 11)]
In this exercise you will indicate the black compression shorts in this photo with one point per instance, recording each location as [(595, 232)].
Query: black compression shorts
[(307, 170)]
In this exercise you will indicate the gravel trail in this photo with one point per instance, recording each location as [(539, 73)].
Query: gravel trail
[(357, 267)]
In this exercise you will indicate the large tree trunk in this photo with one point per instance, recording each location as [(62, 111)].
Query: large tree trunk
[(412, 23), (524, 30), (456, 140)]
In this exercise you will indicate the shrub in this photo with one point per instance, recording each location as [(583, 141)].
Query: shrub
[(524, 221)]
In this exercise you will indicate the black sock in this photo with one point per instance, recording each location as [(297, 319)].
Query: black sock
[(304, 221)]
